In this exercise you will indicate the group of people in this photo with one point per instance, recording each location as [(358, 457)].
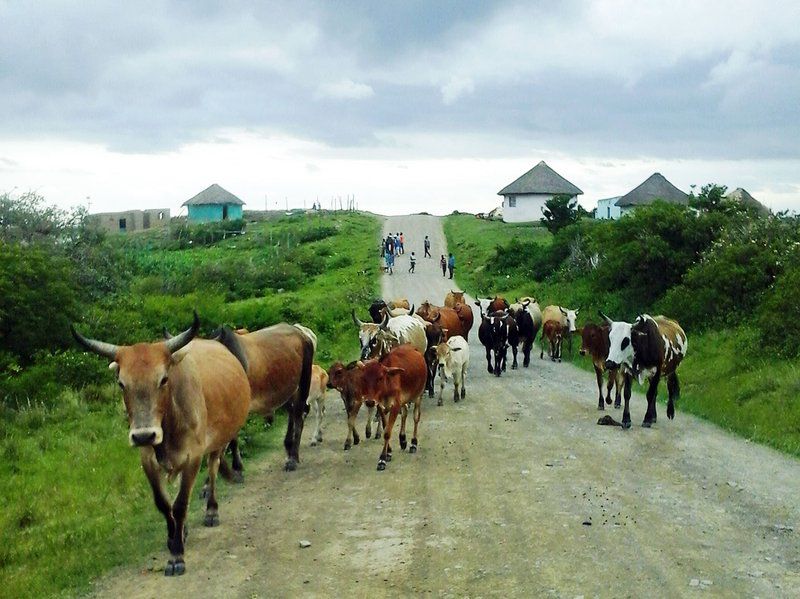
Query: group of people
[(393, 246)]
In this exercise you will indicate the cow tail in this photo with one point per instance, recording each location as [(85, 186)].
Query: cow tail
[(305, 373)]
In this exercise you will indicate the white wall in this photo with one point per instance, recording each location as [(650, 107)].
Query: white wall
[(528, 209), (606, 209)]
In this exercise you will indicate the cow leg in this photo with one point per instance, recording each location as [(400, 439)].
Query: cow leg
[(652, 391), (526, 352), (599, 374), (403, 417), (154, 476), (619, 381), (176, 566), (319, 407), (212, 507), (417, 414), (352, 435), (368, 428), (238, 466), (489, 361), (626, 412), (463, 381), (456, 387), (294, 431), (504, 357), (610, 385), (514, 354), (387, 433), (380, 423), (442, 380), (674, 388)]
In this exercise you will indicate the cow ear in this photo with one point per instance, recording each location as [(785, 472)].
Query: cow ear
[(577, 310), (178, 356), (360, 364), (564, 312), (114, 366), (395, 370)]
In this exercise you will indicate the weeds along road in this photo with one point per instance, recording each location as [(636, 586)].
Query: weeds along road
[(496, 501)]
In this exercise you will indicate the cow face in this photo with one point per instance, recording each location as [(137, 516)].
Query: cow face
[(457, 296), (345, 380), (143, 375), (483, 305), (620, 349), (380, 344), (427, 311), (367, 332), (376, 311), (571, 316), (590, 338)]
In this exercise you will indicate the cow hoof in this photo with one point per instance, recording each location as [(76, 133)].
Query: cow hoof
[(368, 434), (647, 423), (347, 446), (237, 477), (290, 465), (381, 466), (626, 425), (608, 400), (175, 568), (211, 520), (513, 367), (412, 449), (439, 403), (489, 369), (356, 439), (403, 442)]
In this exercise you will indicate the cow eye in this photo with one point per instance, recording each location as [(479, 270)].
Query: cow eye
[(121, 385), (625, 342), (163, 382)]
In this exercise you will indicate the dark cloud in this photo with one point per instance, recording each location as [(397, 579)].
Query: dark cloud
[(149, 78)]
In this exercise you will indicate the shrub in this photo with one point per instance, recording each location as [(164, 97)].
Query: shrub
[(779, 315)]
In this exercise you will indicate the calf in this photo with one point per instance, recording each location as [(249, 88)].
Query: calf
[(650, 348), (347, 380), (185, 398), (568, 319), (316, 400), (594, 341), (553, 332), (392, 383), (453, 358)]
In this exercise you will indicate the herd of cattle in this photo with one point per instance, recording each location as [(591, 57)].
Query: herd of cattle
[(187, 397)]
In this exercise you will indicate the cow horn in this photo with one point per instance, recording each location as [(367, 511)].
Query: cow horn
[(357, 322), (165, 333), (527, 302), (411, 311), (437, 317), (578, 309), (564, 312), (607, 319), (179, 341), (385, 321), (107, 350)]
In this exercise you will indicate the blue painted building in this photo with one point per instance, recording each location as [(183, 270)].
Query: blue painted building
[(214, 204)]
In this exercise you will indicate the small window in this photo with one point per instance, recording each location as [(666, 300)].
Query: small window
[(512, 201), (123, 224)]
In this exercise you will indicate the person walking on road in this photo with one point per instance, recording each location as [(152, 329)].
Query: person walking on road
[(390, 262), (402, 243), (443, 264), (412, 262), (427, 244), (451, 264)]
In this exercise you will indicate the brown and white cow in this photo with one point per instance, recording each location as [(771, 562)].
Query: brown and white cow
[(456, 323), (649, 348), (279, 364), (594, 341), (185, 398), (393, 382), (553, 334), (453, 298), (406, 329), (568, 319)]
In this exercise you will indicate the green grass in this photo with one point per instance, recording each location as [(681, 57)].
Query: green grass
[(76, 503), (724, 379)]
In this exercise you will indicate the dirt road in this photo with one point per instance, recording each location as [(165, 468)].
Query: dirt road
[(498, 499)]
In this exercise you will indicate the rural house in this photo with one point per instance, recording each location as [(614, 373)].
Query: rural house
[(607, 208), (524, 198), (130, 220), (742, 197), (655, 187), (214, 204)]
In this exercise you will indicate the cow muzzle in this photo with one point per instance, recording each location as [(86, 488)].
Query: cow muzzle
[(147, 436), (611, 365), (582, 352)]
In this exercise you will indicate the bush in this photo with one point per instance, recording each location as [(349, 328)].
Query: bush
[(779, 315)]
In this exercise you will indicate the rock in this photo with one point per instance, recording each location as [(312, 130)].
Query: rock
[(587, 522), (783, 528), (706, 582), (694, 582), (304, 543)]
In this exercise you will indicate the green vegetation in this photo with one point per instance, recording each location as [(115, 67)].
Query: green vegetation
[(76, 501), (727, 275)]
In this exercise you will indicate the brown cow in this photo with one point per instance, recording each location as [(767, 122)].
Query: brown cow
[(347, 381), (393, 382), (279, 360), (447, 318), (553, 331), (399, 303), (453, 298), (466, 317), (595, 342), (185, 398)]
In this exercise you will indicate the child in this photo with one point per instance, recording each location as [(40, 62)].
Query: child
[(390, 262), (443, 264), (413, 261)]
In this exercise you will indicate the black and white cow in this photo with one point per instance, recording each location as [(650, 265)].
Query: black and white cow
[(649, 348), (497, 331), (528, 318)]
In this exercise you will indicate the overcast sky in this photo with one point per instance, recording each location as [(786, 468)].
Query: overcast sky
[(412, 105)]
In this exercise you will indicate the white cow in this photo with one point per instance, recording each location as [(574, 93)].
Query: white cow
[(378, 339), (453, 358)]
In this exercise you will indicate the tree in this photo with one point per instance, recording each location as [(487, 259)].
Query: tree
[(561, 210), (710, 198)]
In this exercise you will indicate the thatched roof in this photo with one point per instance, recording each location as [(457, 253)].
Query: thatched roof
[(213, 194), (740, 196), (655, 187), (540, 179)]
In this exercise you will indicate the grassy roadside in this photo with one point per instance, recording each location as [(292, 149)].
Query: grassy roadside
[(76, 502), (752, 395)]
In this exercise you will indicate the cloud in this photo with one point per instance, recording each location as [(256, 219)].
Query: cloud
[(345, 89), (455, 88)]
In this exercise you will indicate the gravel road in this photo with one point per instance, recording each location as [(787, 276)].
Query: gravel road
[(515, 491)]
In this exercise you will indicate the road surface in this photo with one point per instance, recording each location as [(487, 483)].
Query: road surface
[(515, 491)]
